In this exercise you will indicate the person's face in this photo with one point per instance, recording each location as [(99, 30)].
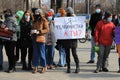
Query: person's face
[(116, 17), (109, 19), (97, 10), (27, 16)]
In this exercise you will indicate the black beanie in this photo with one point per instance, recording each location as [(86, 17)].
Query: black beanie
[(98, 6), (107, 14), (33, 10)]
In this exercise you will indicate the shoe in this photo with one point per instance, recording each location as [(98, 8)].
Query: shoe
[(20, 62), (90, 62), (97, 70), (65, 65), (118, 71), (68, 71), (77, 70), (10, 71), (105, 70), (54, 64), (52, 67), (1, 68), (59, 65)]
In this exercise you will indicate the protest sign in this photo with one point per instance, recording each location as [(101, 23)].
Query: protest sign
[(70, 27), (117, 35)]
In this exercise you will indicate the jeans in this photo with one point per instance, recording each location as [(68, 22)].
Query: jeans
[(103, 56), (92, 55), (1, 54), (62, 56), (49, 54), (39, 57)]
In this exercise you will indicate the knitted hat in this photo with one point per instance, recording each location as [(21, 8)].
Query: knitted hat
[(51, 10), (70, 10), (49, 14), (39, 11), (33, 10), (107, 14), (98, 6)]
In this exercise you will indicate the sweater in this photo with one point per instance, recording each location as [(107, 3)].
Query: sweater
[(104, 33)]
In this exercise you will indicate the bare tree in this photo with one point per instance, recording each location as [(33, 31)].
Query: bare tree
[(118, 6), (40, 3), (68, 3), (59, 4)]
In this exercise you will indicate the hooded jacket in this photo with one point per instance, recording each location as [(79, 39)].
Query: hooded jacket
[(20, 15), (104, 33)]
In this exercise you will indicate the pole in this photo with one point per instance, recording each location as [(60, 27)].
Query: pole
[(73, 4), (87, 6)]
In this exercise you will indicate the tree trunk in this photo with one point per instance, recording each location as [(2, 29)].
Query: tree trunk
[(59, 4), (118, 6), (27, 4), (68, 3), (40, 3), (53, 5)]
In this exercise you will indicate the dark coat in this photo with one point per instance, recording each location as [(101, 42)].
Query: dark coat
[(68, 43), (25, 38), (95, 17), (1, 42)]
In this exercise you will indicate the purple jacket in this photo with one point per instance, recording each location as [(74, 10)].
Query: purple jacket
[(117, 35)]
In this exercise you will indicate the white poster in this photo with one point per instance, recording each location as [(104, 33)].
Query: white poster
[(70, 27)]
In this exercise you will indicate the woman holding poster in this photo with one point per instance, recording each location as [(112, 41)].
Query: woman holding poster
[(71, 44), (117, 41)]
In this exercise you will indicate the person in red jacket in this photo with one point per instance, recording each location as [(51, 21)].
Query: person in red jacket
[(103, 38)]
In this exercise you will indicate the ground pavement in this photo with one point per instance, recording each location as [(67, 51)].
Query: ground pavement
[(59, 73)]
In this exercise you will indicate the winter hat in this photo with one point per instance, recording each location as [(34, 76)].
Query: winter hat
[(51, 10), (98, 6), (20, 15), (33, 10), (70, 10), (49, 14), (8, 12), (107, 14), (39, 11)]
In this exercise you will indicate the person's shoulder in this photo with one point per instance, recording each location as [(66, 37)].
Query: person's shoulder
[(99, 22)]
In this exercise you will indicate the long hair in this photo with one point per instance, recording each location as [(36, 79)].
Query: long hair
[(31, 16)]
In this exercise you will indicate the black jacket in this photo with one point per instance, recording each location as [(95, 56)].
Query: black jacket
[(95, 17), (1, 42), (25, 38), (68, 43)]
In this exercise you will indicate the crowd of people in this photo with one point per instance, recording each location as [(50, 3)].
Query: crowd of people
[(33, 34)]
